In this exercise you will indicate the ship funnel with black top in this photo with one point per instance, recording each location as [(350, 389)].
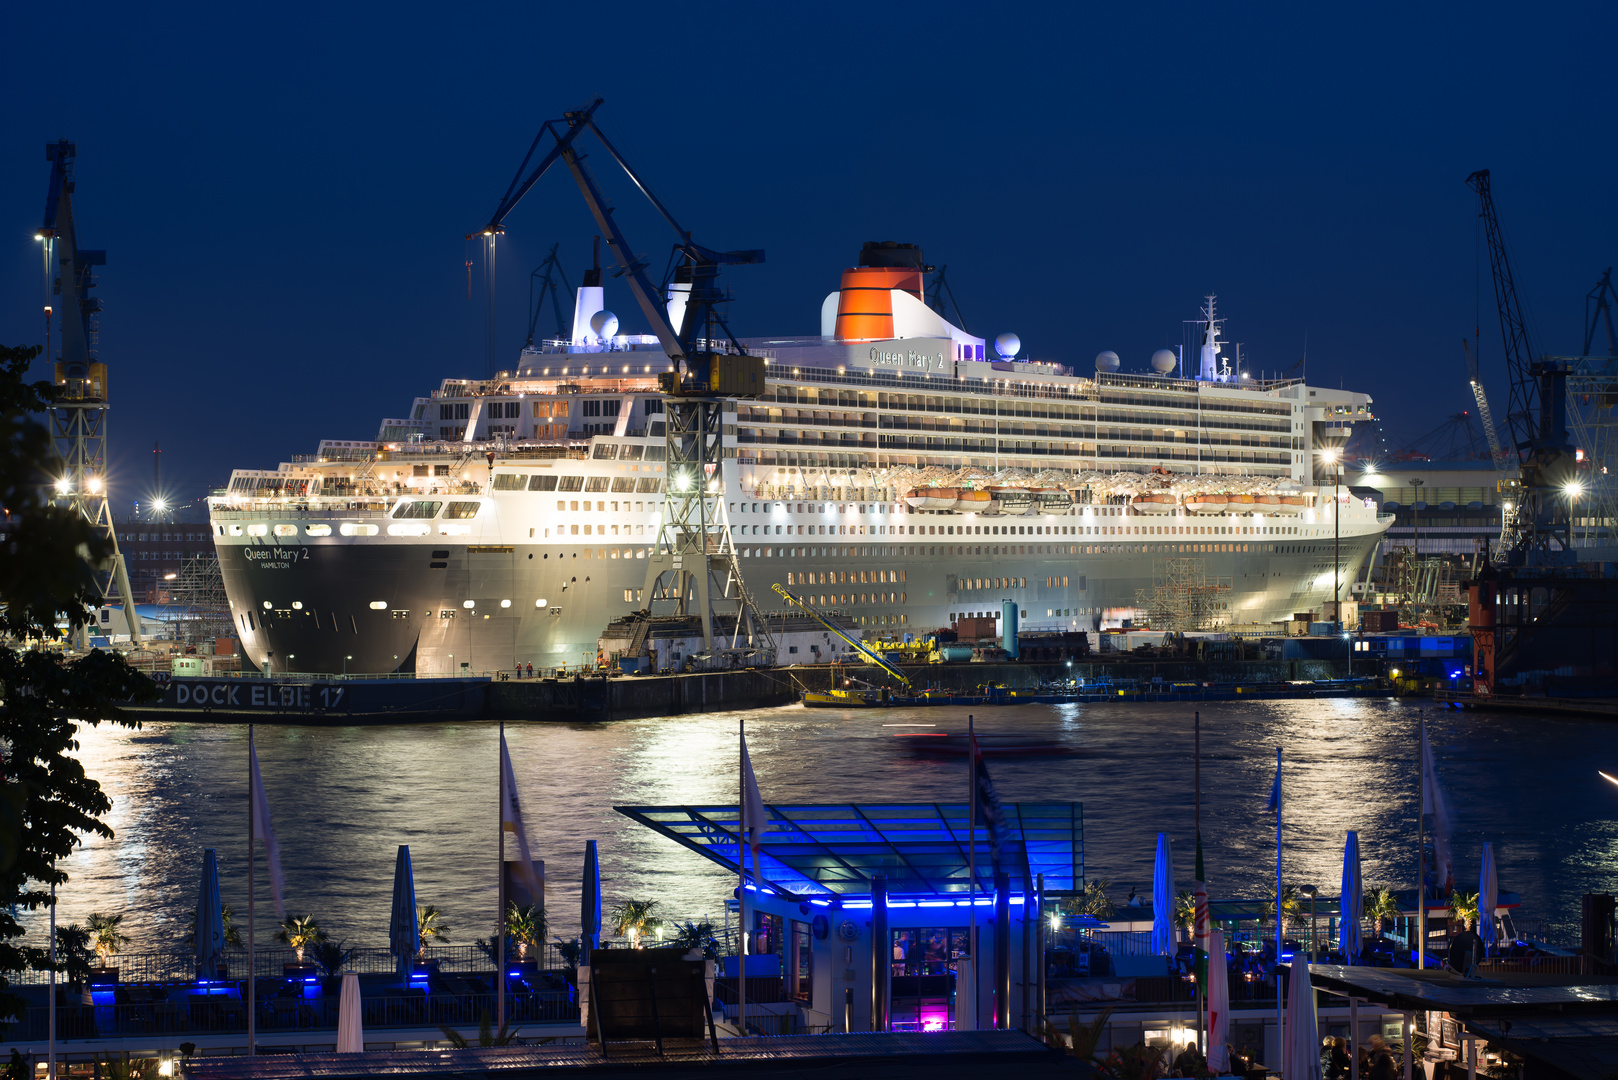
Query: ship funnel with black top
[(865, 301)]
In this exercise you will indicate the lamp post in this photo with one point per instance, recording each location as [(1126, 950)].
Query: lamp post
[(1334, 457), (346, 659), (1415, 519)]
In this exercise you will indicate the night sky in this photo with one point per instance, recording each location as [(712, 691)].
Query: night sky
[(283, 191)]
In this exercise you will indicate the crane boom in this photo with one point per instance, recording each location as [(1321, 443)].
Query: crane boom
[(854, 643), (1497, 452), (1522, 404)]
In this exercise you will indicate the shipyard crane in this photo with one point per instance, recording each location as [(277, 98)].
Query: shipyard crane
[(78, 413), (694, 560), (1506, 486), (1598, 305), (1536, 412), (853, 642), (1497, 452)]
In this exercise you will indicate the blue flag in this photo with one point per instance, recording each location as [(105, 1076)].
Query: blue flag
[(1275, 791)]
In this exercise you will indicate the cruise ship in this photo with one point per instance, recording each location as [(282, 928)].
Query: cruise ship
[(896, 470)]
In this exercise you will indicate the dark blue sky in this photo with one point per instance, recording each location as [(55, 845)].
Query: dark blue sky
[(283, 191)]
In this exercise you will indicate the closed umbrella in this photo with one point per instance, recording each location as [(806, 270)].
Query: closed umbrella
[(1351, 901), (1163, 900), (1218, 1004), (1300, 1050), (590, 899), (350, 1030), (210, 931), (404, 933), (1488, 894)]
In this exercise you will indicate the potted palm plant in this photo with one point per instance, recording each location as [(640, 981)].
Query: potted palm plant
[(433, 930), (106, 940), (1382, 908), (300, 932), (636, 920), (525, 928)]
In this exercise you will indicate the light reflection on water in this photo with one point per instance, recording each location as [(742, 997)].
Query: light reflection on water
[(344, 798)]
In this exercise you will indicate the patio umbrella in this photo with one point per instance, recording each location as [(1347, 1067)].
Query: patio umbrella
[(1300, 1050), (1488, 894), (350, 1031), (1163, 900), (210, 929), (1218, 1004), (1351, 901), (404, 933), (590, 899)]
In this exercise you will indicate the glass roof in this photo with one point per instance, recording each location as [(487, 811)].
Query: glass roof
[(834, 850)]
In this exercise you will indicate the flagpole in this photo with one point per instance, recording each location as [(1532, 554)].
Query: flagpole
[(1280, 1001), (971, 864), (741, 876), (500, 892), (252, 913), (1421, 844), (1198, 939)]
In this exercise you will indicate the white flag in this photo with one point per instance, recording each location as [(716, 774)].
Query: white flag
[(262, 826), (753, 816), (511, 822), (1433, 802)]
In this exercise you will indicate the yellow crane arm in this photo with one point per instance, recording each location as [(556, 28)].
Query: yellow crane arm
[(854, 643)]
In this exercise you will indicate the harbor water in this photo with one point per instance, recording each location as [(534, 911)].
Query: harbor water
[(342, 799)]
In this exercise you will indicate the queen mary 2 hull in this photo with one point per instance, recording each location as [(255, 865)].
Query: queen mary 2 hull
[(505, 594)]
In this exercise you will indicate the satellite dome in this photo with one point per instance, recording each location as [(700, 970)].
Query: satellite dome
[(1164, 361), (604, 324), (1007, 345), (1107, 360)]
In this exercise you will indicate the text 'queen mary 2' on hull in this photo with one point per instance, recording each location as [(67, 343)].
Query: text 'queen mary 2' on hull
[(891, 471)]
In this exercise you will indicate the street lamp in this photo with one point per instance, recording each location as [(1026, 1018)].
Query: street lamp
[(1415, 519), (1334, 458), (346, 659)]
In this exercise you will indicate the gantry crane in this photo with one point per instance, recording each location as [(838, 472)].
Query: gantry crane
[(78, 415), (1536, 413), (693, 564)]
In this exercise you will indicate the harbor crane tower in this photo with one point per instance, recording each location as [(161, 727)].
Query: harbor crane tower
[(78, 414), (693, 566)]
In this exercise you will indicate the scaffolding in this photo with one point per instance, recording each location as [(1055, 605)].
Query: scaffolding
[(1183, 597), (198, 613)]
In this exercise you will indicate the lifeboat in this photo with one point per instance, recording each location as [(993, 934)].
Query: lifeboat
[(929, 498), (1292, 504), (1013, 500), (1159, 503), (1266, 503), (1203, 502), (1239, 503), (973, 501), (1054, 501)]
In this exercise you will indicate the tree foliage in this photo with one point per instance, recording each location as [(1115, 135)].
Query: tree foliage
[(48, 566)]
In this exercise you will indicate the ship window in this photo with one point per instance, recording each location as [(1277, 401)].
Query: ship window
[(351, 529), (623, 484), (318, 530), (631, 453), (656, 453), (539, 482), (235, 530), (419, 508), (649, 486), (379, 605), (460, 511), (605, 451), (570, 483), (510, 482), (257, 530), (598, 483)]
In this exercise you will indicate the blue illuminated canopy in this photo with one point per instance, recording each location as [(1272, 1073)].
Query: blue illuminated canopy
[(832, 851)]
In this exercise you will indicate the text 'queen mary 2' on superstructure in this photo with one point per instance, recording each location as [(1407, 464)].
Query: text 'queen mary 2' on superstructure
[(892, 471)]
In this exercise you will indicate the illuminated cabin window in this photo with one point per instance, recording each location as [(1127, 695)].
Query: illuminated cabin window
[(257, 530), (379, 605), (351, 529), (235, 530), (462, 511), (469, 603), (409, 529), (419, 508), (318, 530), (286, 530), (454, 530)]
